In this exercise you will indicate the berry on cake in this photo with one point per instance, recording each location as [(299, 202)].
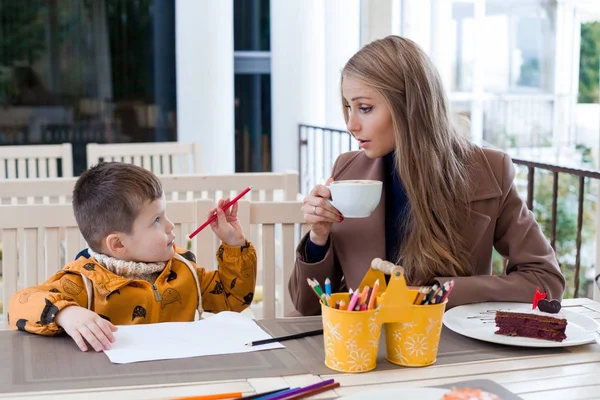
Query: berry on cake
[(543, 321)]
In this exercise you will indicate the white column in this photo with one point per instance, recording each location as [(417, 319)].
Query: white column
[(205, 79), (342, 40), (477, 99), (297, 75), (416, 22), (441, 48)]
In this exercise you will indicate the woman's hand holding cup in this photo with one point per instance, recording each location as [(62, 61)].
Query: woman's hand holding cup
[(319, 212)]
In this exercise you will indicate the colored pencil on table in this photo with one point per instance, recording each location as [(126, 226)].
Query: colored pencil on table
[(225, 207), (300, 335), (234, 395), (314, 391), (293, 392), (259, 395)]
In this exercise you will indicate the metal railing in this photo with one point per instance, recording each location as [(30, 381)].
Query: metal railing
[(320, 146)]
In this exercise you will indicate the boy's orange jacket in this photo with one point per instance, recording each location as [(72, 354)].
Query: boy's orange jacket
[(173, 297)]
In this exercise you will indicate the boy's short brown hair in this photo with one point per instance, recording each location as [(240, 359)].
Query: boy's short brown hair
[(108, 197)]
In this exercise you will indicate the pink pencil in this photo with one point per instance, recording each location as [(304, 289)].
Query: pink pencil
[(225, 207), (353, 300)]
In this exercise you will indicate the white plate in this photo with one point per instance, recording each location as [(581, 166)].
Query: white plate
[(477, 321), (399, 393)]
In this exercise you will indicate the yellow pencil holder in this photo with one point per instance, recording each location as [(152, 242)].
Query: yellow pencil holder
[(351, 338), (414, 341)]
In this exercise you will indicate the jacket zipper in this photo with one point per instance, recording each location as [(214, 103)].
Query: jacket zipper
[(156, 294)]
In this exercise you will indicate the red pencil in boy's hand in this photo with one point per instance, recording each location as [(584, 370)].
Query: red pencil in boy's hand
[(225, 207)]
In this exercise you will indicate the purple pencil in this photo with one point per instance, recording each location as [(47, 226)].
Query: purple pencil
[(291, 392)]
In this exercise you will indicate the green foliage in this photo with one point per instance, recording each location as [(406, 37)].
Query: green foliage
[(22, 37), (589, 66), (566, 220)]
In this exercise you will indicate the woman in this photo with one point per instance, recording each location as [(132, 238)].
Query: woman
[(446, 203)]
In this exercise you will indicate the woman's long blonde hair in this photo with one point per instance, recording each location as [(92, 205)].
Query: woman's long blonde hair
[(432, 158)]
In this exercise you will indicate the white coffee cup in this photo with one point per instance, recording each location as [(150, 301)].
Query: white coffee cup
[(355, 198)]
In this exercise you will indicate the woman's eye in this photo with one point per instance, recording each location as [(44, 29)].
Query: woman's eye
[(365, 110), (157, 220)]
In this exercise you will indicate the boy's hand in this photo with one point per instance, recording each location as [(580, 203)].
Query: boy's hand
[(81, 323), (226, 226)]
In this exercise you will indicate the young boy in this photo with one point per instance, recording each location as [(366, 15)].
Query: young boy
[(132, 272)]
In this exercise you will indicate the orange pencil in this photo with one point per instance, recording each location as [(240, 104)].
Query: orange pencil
[(234, 395), (373, 295), (342, 305), (423, 290), (363, 295)]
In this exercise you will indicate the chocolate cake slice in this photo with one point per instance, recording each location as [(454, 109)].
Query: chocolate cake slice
[(532, 324)]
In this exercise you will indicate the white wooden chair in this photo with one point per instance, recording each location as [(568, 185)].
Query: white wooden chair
[(266, 186), (162, 158), (281, 226), (33, 249), (37, 191), (35, 161)]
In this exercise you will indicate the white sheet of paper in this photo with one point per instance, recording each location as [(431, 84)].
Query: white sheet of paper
[(224, 333)]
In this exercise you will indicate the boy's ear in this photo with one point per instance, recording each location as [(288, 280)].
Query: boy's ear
[(115, 245)]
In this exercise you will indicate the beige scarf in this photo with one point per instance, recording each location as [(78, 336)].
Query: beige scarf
[(129, 269)]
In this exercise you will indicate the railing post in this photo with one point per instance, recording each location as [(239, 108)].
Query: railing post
[(579, 227), (596, 290), (554, 206), (530, 182)]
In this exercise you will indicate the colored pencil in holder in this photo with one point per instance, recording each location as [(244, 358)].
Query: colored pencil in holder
[(364, 295), (353, 301), (447, 292), (328, 287), (373, 295), (430, 295), (422, 292), (317, 289)]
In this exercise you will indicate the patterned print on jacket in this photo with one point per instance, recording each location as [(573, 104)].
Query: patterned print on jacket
[(125, 301)]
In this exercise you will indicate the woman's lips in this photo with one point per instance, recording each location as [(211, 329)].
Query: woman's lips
[(364, 143)]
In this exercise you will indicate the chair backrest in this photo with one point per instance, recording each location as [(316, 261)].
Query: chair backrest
[(37, 191), (37, 241), (162, 158), (266, 186), (36, 161), (280, 228)]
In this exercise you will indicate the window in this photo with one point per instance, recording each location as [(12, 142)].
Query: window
[(85, 71)]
